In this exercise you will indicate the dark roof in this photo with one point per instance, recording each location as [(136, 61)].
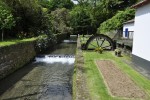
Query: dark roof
[(129, 21), (140, 4)]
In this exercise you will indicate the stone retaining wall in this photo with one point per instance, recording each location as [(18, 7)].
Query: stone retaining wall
[(80, 89), (15, 56)]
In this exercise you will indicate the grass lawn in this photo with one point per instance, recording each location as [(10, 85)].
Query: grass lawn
[(15, 41), (95, 83), (74, 84)]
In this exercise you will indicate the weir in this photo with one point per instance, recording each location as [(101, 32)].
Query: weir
[(48, 77)]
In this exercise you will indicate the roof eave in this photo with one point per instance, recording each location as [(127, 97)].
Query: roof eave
[(140, 4), (130, 21)]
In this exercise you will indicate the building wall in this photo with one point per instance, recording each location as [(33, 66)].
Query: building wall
[(141, 41), (130, 27)]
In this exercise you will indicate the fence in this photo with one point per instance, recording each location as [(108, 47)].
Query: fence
[(124, 35), (128, 35)]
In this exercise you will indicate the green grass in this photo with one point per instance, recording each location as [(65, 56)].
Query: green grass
[(15, 41), (74, 83), (98, 90)]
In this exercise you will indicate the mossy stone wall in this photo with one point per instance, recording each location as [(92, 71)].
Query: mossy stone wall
[(15, 56)]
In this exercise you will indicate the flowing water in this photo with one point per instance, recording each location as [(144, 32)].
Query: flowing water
[(49, 77)]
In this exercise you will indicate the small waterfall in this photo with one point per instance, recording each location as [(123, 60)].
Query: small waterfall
[(55, 59), (69, 41)]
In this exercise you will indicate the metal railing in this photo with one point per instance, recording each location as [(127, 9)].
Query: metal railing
[(128, 35), (121, 35)]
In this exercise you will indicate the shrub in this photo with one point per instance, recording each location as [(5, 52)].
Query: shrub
[(116, 22), (118, 52), (99, 49), (45, 41)]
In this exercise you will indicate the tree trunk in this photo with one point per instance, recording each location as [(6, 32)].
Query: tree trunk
[(2, 34)]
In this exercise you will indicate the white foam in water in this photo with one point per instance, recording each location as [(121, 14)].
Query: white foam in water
[(48, 59), (68, 41)]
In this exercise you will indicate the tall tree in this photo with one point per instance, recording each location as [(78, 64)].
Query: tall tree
[(81, 20), (6, 19), (54, 4), (28, 15), (60, 21)]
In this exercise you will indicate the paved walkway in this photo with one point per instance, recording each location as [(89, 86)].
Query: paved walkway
[(138, 68)]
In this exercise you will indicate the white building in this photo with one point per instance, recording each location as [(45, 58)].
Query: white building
[(141, 39), (128, 29)]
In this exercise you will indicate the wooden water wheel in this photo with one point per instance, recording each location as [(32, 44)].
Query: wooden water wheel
[(99, 40)]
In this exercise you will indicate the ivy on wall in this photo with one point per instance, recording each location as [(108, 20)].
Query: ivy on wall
[(117, 21)]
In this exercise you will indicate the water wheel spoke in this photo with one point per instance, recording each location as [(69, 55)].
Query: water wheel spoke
[(93, 45), (102, 42), (97, 42)]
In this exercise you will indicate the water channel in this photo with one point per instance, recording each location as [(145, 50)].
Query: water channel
[(49, 77)]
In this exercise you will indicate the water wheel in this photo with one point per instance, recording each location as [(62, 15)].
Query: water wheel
[(99, 40)]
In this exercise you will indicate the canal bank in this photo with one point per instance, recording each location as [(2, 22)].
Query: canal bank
[(49, 77), (15, 56)]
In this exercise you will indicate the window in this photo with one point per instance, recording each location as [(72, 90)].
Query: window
[(126, 32)]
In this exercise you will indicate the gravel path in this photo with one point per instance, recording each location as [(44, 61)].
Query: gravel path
[(117, 82)]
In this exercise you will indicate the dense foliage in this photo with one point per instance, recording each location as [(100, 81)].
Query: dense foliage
[(60, 21), (35, 17), (6, 19), (45, 41), (28, 15), (54, 4), (89, 14), (81, 20), (116, 22)]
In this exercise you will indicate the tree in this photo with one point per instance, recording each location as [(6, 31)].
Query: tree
[(6, 20), (54, 4), (91, 2), (101, 10), (81, 20), (116, 22), (115, 5), (60, 21), (28, 15)]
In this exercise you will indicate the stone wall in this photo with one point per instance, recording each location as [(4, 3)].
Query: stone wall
[(15, 56)]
